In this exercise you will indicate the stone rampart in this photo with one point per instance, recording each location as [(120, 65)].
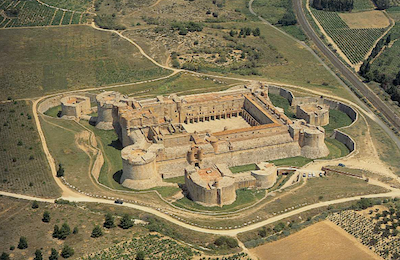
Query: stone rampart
[(283, 93), (345, 139)]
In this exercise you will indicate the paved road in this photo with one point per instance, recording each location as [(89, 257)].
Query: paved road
[(344, 70)]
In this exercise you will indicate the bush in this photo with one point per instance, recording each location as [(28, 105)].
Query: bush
[(35, 204), (56, 231), (226, 242), (140, 256), (60, 171), (23, 243), (67, 251), (38, 255), (4, 256), (64, 231), (53, 255), (76, 231), (97, 232), (109, 221), (46, 217), (126, 222)]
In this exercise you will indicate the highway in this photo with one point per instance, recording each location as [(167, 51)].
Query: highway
[(344, 70)]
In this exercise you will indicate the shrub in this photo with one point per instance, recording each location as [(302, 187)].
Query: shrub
[(53, 255), (140, 256), (46, 217), (126, 222), (67, 251), (97, 232), (56, 231), (38, 255), (64, 231), (109, 221), (35, 204), (60, 171), (23, 243), (4, 256), (75, 231), (226, 242)]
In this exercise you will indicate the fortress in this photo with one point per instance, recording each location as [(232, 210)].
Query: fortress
[(313, 113), (173, 136)]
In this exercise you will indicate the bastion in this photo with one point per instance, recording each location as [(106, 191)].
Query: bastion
[(265, 175), (107, 103), (75, 106), (314, 114), (139, 169), (209, 186)]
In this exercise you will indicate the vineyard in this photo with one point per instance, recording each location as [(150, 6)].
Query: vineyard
[(354, 43), (23, 166), (32, 13), (154, 247), (76, 5)]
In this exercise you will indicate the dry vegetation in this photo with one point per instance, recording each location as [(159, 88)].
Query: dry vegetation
[(332, 243), (23, 165)]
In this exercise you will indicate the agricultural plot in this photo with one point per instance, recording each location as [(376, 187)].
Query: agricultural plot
[(32, 13), (380, 233), (354, 43), (73, 5), (43, 60), (23, 166), (156, 248)]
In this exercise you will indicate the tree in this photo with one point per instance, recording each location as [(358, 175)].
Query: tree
[(35, 204), (140, 256), (109, 221), (23, 243), (67, 251), (38, 255), (64, 231), (97, 232), (126, 222), (256, 32), (60, 171), (4, 256), (46, 217), (382, 4), (56, 231), (53, 255)]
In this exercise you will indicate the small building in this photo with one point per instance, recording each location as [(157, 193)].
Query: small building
[(75, 106)]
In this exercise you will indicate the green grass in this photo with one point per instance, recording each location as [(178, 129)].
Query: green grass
[(282, 102), (336, 149), (178, 180), (387, 63), (243, 168), (39, 61), (54, 111), (297, 161), (244, 197), (337, 119), (23, 166)]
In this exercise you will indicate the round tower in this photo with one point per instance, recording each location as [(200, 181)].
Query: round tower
[(105, 107), (312, 142), (139, 168)]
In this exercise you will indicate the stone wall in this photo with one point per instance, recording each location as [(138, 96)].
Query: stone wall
[(345, 139), (283, 93)]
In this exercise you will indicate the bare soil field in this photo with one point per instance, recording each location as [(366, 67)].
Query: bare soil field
[(323, 240), (365, 20)]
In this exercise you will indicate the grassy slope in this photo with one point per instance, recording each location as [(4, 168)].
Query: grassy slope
[(30, 173), (38, 61), (76, 5), (337, 119), (244, 197)]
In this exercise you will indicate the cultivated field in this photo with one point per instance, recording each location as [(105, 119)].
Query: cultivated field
[(362, 5), (76, 5), (365, 20), (38, 61), (32, 13), (23, 165), (323, 240), (354, 42)]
